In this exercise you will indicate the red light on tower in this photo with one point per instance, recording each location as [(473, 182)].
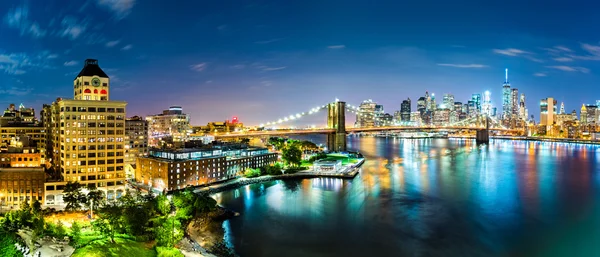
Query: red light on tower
[(234, 120)]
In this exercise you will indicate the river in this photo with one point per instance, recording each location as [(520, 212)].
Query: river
[(430, 197)]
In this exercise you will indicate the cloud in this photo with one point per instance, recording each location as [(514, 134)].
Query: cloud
[(120, 8), (238, 66), (208, 82), (71, 63), (570, 68), (564, 49), (593, 50), (529, 57), (267, 41), (127, 47), (17, 63), (540, 74), (510, 51), (476, 66), (563, 59), (337, 47), (72, 28), (18, 18), (16, 91), (52, 56), (199, 66), (274, 68), (112, 43)]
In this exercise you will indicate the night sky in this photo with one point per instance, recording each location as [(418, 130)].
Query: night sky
[(261, 60)]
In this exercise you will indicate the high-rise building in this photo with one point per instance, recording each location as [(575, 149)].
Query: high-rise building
[(458, 107), (547, 111), (405, 110), (562, 108), (380, 119), (427, 101), (87, 136), (472, 108), (583, 115), (136, 143), (415, 119), (476, 98), (522, 110), (514, 103), (448, 102), (432, 104), (18, 116), (365, 116), (441, 117), (421, 105), (172, 126), (506, 98), (486, 107), (591, 115), (397, 117)]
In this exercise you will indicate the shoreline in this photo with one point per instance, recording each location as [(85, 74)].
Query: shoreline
[(239, 182), (207, 231), (539, 139)]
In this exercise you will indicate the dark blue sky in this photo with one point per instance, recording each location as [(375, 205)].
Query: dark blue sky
[(261, 60)]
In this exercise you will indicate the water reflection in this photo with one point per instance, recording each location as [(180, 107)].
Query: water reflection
[(428, 197)]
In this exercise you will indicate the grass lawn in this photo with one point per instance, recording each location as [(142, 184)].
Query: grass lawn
[(122, 247), (306, 163), (342, 157)]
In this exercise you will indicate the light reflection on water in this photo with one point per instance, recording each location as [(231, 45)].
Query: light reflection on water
[(430, 197)]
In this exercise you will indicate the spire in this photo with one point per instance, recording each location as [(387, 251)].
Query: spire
[(506, 76)]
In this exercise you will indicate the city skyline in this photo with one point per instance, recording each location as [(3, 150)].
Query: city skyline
[(265, 55)]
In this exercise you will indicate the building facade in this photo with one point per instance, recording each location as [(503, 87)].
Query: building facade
[(136, 143), (178, 169), (405, 110), (172, 124), (547, 111), (365, 116), (88, 136)]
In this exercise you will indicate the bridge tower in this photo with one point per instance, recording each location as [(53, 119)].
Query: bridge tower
[(483, 135), (336, 119)]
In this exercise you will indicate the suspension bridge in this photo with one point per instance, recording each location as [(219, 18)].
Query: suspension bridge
[(336, 129)]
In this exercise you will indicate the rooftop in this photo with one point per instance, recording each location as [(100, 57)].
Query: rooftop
[(91, 68)]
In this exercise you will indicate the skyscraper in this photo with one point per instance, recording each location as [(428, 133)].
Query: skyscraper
[(427, 101), (365, 117), (405, 110), (506, 97), (547, 111), (522, 110), (448, 102), (432, 103), (514, 103), (562, 108), (476, 98), (583, 115), (486, 107), (421, 105)]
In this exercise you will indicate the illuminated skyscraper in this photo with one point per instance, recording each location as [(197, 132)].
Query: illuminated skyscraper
[(405, 110), (547, 111), (514, 103), (522, 110), (432, 103), (365, 117), (506, 97), (562, 108), (427, 101), (476, 98), (448, 102), (486, 107)]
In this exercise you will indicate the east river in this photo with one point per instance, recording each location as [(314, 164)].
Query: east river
[(430, 197)]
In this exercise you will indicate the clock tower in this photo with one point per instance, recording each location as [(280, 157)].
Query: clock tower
[(91, 83)]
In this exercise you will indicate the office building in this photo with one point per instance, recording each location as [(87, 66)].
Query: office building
[(547, 111), (591, 114), (421, 105), (522, 109), (441, 117), (583, 115), (170, 128), (506, 98), (448, 102), (365, 116), (167, 170), (405, 110), (486, 106), (87, 136), (21, 116), (514, 103), (233, 125), (136, 143)]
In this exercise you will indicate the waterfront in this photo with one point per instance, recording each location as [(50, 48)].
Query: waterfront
[(429, 197)]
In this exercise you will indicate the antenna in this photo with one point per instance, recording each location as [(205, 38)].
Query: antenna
[(506, 75)]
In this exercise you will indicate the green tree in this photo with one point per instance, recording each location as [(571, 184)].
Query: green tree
[(109, 220), (73, 196), (163, 205), (168, 231), (36, 207), (291, 154), (60, 231), (251, 173), (75, 233), (94, 197)]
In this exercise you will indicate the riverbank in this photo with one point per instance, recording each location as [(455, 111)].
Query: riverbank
[(348, 172), (538, 139)]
